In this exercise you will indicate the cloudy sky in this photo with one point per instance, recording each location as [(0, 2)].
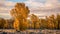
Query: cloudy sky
[(37, 7)]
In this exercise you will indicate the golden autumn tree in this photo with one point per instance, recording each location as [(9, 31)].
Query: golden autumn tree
[(43, 23), (35, 21), (20, 13), (2, 23), (6, 25), (51, 22), (58, 21)]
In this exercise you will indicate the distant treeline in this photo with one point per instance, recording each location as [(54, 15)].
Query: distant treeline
[(50, 22)]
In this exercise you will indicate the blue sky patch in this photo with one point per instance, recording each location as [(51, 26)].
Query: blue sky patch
[(17, 0)]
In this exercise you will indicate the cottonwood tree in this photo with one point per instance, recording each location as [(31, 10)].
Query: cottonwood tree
[(50, 22), (2, 23), (20, 13), (35, 21), (58, 21)]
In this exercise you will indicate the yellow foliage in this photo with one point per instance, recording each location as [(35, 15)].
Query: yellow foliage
[(20, 13)]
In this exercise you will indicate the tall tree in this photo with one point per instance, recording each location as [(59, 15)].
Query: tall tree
[(20, 13), (58, 21), (2, 22), (51, 22), (34, 20)]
